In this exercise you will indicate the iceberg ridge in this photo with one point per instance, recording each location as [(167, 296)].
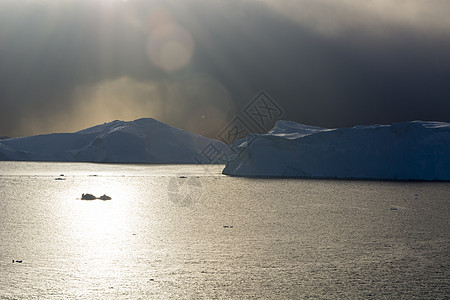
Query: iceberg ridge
[(415, 150), (141, 141)]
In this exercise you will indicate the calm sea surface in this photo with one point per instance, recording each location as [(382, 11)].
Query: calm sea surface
[(208, 236)]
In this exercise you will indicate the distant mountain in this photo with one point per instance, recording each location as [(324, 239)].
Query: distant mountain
[(403, 151), (4, 137), (140, 141)]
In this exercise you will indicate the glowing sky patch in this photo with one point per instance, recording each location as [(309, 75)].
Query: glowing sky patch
[(67, 65)]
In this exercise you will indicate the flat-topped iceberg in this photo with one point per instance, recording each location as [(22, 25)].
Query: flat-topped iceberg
[(140, 141), (414, 150)]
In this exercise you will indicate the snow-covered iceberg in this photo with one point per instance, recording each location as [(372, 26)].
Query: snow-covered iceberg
[(140, 141), (414, 150)]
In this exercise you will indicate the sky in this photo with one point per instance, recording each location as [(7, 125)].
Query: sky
[(66, 65)]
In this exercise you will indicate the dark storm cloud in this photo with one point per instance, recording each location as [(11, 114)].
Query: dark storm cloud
[(66, 65)]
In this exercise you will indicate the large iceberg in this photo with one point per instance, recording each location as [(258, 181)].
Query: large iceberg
[(140, 141), (414, 150)]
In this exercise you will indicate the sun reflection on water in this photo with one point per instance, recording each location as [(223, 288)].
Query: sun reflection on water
[(100, 232)]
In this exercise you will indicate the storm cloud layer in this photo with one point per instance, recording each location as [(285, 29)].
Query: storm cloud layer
[(194, 64)]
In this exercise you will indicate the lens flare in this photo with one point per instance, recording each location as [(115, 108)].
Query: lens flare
[(169, 46), (206, 120), (200, 104)]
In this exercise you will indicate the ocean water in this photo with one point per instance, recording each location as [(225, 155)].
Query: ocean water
[(188, 232)]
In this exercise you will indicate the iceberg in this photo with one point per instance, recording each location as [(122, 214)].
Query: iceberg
[(415, 150), (141, 141)]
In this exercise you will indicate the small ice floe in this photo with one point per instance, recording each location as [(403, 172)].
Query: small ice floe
[(88, 196), (104, 197)]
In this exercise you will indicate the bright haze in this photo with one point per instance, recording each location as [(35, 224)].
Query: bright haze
[(69, 64)]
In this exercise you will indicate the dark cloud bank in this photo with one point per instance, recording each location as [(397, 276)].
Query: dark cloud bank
[(67, 65)]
